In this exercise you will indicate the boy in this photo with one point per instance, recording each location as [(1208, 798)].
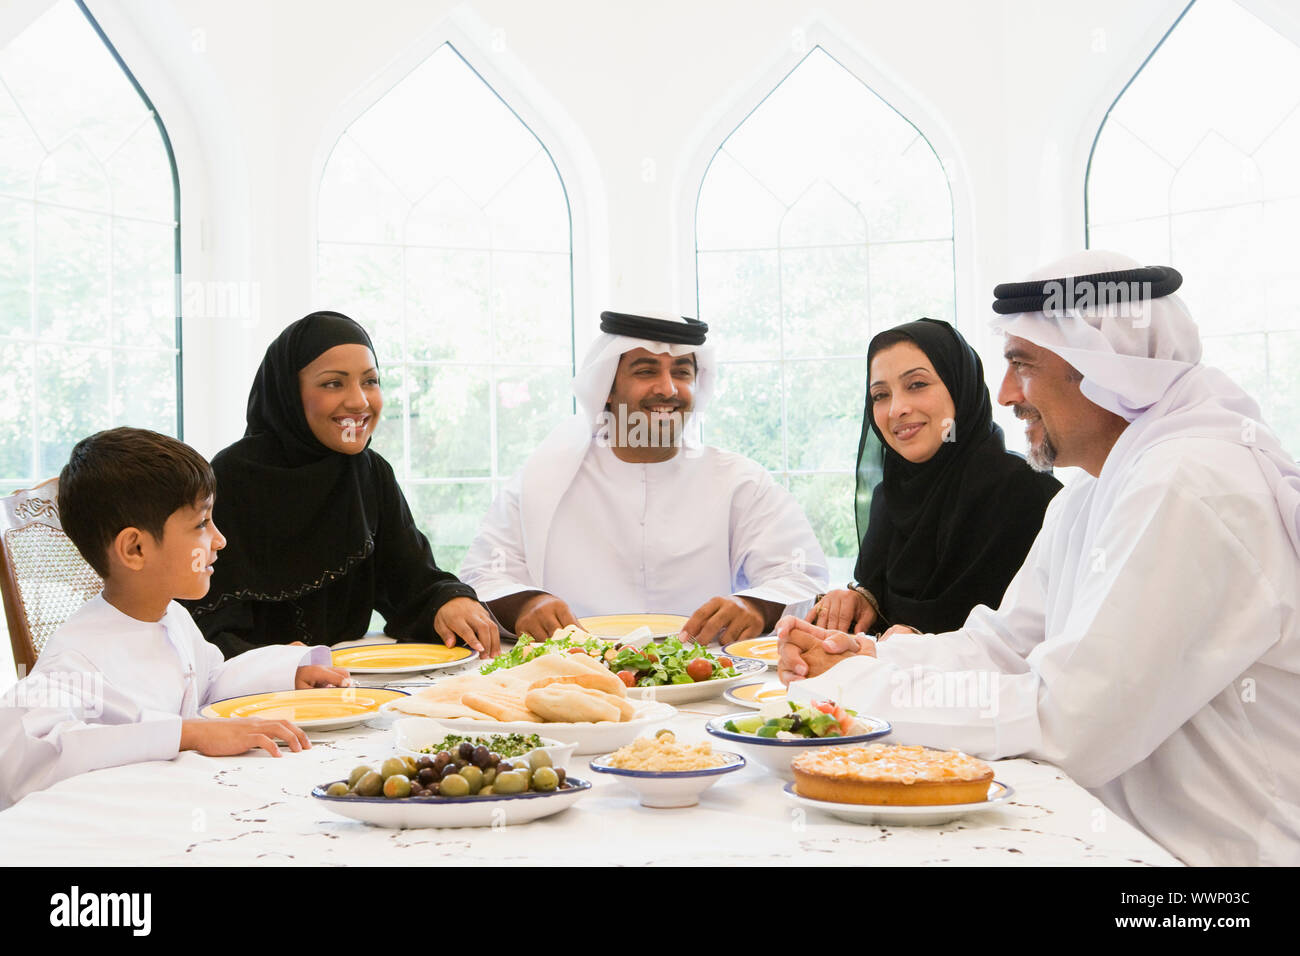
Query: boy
[(122, 680)]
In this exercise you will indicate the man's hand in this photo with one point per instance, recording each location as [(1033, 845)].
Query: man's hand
[(227, 737), (466, 619), (738, 617), (843, 610), (318, 675), (806, 650), (542, 615)]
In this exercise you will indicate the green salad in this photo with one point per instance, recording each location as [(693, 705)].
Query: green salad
[(669, 662), (528, 648)]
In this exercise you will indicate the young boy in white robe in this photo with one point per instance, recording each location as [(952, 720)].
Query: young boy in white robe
[(122, 680)]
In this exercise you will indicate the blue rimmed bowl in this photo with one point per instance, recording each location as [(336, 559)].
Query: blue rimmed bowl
[(670, 788), (775, 755)]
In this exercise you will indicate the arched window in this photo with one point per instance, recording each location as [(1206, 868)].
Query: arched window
[(89, 217), (1195, 166), (824, 218), (444, 229)]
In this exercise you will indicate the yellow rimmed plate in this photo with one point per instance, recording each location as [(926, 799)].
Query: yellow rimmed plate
[(621, 625), (755, 649), (757, 694), (318, 708), (399, 658)]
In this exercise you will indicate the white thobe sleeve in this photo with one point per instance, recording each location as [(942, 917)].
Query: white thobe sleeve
[(1171, 609), (65, 719), (774, 553), (495, 565)]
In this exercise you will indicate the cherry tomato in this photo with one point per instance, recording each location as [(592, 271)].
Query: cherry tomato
[(650, 656), (724, 662), (699, 669), (628, 678), (576, 650)]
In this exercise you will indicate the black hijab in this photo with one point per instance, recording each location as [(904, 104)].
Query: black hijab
[(944, 535), (294, 513)]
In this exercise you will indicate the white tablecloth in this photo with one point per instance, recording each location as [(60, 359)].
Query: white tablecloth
[(256, 809)]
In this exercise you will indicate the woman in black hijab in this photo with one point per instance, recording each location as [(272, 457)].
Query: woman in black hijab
[(318, 532), (953, 514)]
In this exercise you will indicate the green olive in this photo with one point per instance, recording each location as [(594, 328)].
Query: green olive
[(539, 759), (454, 786), (397, 786), (486, 792), (474, 776), (489, 776), (545, 780), (371, 785), (512, 781), (392, 766), (412, 766), (527, 774), (337, 789), (357, 773)]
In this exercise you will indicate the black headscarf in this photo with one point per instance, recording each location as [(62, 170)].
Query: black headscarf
[(316, 539), (944, 535)]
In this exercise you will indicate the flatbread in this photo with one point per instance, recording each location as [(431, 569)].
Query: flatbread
[(438, 709), (571, 704), (502, 707)]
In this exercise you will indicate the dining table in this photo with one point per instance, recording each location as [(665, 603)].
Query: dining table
[(256, 809)]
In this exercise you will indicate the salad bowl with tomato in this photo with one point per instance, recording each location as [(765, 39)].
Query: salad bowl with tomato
[(781, 731)]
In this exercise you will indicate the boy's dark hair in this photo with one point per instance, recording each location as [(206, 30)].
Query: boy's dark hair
[(127, 478)]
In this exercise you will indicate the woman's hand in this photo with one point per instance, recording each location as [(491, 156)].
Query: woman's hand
[(843, 610), (466, 619)]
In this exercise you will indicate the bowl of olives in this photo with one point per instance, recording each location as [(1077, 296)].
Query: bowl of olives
[(468, 786), (422, 736)]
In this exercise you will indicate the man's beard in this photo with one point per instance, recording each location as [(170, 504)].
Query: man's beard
[(1042, 456)]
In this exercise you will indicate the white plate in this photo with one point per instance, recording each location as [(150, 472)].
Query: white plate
[(743, 650), (733, 695), (663, 789), (358, 705), (701, 690), (599, 738), (416, 733), (402, 669), (999, 794), (493, 811)]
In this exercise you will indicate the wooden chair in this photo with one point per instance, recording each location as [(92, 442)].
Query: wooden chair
[(42, 575)]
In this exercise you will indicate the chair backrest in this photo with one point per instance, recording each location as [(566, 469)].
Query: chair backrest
[(42, 575)]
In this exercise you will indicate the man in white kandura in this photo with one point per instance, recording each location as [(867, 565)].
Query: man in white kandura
[(1149, 645), (621, 511)]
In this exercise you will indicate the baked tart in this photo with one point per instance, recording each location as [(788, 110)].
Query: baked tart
[(891, 775)]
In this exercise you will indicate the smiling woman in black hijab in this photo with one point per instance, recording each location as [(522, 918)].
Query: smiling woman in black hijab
[(953, 513), (318, 532)]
